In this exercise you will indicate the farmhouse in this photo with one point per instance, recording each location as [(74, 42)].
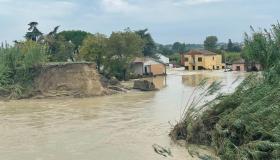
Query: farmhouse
[(202, 60), (148, 66)]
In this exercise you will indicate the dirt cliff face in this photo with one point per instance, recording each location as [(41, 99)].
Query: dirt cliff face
[(70, 79)]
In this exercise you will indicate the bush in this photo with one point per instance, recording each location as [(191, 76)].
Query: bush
[(18, 66)]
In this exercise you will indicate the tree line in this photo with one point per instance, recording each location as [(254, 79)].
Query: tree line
[(112, 54)]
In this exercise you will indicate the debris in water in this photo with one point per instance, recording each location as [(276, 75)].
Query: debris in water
[(162, 151)]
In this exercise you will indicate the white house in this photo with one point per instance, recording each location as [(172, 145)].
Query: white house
[(163, 58)]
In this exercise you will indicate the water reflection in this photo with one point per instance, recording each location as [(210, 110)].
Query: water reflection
[(195, 79), (159, 81)]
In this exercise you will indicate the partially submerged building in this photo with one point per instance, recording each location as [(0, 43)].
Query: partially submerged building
[(148, 66), (241, 65), (202, 60)]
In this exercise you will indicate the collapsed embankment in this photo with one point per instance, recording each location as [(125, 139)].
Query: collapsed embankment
[(243, 125), (68, 79)]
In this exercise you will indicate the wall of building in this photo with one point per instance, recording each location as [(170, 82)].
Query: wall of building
[(158, 69), (208, 62), (138, 68), (238, 67)]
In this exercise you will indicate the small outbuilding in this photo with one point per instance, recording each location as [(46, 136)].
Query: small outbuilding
[(148, 66), (239, 65)]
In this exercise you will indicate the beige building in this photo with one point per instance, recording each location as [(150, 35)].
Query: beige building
[(239, 65), (202, 60), (148, 66)]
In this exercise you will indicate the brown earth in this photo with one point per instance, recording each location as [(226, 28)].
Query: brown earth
[(69, 79)]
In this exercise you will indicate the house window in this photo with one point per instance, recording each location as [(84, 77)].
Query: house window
[(238, 68), (223, 67), (218, 67), (199, 59), (193, 67), (186, 59), (200, 68), (187, 68)]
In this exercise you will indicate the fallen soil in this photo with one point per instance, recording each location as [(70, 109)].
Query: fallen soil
[(74, 80)]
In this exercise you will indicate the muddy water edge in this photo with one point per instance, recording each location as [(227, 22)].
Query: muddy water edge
[(119, 127)]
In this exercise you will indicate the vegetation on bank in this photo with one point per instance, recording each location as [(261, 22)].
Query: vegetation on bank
[(245, 124), (18, 67)]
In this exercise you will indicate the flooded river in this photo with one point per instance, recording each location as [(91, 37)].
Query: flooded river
[(118, 127)]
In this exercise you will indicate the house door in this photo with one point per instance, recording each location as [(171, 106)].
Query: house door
[(238, 68), (146, 70), (193, 67)]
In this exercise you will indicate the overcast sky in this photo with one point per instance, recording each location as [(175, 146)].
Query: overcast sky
[(168, 21)]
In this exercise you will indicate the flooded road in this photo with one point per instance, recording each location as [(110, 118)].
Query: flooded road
[(118, 127)]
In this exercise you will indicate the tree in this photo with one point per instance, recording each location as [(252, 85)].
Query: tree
[(233, 47), (165, 49), (123, 47), (76, 37), (149, 44), (94, 48), (211, 43), (179, 47), (60, 48), (229, 45), (34, 34)]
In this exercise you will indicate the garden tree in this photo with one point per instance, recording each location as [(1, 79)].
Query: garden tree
[(233, 47), (76, 37), (164, 49), (229, 45), (179, 47), (60, 49), (54, 31), (263, 47), (210, 43), (123, 47), (34, 34), (94, 48), (149, 44)]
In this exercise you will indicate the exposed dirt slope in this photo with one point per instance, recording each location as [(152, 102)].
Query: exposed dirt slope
[(69, 79)]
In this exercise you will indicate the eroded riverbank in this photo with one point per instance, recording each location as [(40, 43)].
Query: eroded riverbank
[(120, 127)]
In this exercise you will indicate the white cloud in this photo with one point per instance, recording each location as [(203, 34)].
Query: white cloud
[(194, 2), (120, 6), (41, 9)]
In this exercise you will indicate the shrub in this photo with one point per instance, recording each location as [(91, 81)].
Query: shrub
[(18, 66)]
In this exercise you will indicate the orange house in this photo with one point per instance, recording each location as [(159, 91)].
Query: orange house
[(148, 66)]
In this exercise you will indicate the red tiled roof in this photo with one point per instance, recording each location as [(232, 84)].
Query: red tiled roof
[(200, 52)]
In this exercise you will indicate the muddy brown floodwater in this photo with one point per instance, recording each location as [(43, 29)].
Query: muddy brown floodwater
[(118, 127)]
